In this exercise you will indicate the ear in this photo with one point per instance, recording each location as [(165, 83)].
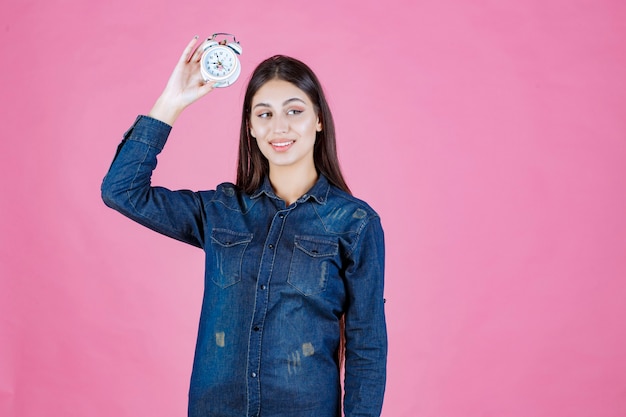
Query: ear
[(250, 130), (319, 124)]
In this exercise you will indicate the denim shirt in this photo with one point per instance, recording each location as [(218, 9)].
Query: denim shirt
[(278, 278)]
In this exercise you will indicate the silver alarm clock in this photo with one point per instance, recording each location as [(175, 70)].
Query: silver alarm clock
[(220, 60)]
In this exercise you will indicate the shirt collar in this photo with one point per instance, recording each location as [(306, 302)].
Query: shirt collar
[(319, 191)]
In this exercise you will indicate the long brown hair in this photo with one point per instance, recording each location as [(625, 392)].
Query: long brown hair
[(252, 166)]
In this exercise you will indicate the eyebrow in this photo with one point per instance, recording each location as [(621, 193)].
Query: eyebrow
[(286, 102)]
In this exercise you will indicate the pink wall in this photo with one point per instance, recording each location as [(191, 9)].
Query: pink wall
[(491, 137)]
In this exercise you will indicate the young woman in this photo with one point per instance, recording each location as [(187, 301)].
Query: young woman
[(294, 263)]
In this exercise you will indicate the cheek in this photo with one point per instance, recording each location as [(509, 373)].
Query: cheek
[(263, 147), (305, 125), (257, 130)]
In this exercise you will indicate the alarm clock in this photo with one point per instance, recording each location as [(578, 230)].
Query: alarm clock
[(220, 60)]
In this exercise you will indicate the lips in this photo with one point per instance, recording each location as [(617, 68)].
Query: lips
[(281, 145)]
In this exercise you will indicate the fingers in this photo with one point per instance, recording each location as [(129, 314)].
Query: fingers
[(206, 88), (188, 52), (197, 54)]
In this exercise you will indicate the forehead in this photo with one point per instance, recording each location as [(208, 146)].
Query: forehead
[(276, 93)]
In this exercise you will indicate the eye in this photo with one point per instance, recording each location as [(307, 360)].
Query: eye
[(264, 115), (294, 112)]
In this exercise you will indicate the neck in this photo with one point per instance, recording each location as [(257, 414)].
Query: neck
[(290, 183)]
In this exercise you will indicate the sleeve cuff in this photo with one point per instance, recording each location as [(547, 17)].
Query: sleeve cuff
[(150, 131)]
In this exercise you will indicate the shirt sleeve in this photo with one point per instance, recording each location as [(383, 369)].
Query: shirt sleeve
[(127, 186), (366, 334)]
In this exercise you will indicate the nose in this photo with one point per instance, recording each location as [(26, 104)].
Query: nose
[(281, 124)]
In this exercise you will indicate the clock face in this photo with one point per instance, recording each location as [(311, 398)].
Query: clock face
[(219, 62)]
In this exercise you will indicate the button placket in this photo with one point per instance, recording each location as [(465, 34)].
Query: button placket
[(260, 311)]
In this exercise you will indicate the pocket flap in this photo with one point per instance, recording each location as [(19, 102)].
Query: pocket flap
[(229, 238), (316, 247)]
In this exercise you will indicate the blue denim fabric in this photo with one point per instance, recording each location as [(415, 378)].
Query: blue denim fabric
[(277, 281)]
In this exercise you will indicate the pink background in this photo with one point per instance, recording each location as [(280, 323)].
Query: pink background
[(490, 136)]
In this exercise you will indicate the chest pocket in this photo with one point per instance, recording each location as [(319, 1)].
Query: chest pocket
[(228, 247), (310, 263)]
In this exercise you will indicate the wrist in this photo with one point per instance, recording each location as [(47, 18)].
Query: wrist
[(164, 111)]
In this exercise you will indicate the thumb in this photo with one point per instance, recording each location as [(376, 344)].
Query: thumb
[(206, 88)]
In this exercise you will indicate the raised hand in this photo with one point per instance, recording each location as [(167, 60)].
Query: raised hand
[(184, 86)]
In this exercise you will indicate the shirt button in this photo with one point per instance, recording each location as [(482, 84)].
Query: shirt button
[(256, 328), (282, 216), (253, 375), (271, 246), (263, 287)]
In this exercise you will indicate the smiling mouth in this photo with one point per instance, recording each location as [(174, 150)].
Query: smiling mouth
[(282, 144)]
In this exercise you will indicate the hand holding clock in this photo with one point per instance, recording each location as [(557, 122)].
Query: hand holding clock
[(185, 86)]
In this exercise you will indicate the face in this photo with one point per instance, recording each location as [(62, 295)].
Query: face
[(284, 122)]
